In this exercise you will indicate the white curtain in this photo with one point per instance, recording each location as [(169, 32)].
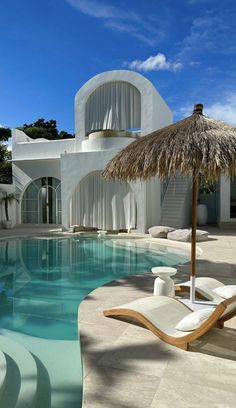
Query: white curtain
[(114, 105), (103, 204)]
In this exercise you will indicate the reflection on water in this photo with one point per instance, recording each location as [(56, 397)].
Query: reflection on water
[(42, 281)]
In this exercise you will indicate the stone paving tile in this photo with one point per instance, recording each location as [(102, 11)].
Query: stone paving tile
[(203, 369), (99, 328), (108, 387), (174, 392), (138, 352)]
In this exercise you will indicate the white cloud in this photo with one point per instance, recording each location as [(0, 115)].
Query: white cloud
[(211, 33), (98, 9), (224, 110), (157, 62), (125, 21)]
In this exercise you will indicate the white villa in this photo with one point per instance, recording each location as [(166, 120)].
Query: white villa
[(59, 182)]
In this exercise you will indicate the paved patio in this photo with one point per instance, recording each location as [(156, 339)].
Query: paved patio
[(126, 366)]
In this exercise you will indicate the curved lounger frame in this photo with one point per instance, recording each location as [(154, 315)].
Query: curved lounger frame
[(154, 305), (203, 289)]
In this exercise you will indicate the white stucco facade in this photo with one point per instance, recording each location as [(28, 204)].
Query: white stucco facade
[(111, 110), (224, 201), (125, 105)]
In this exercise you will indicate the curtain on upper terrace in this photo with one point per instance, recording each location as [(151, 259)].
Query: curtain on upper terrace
[(114, 105)]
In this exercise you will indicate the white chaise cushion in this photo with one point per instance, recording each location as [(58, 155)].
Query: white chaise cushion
[(226, 291), (160, 231), (194, 320)]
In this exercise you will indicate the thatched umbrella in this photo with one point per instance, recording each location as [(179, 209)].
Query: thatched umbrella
[(193, 146)]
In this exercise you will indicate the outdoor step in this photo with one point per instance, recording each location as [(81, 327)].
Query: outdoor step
[(170, 208), (21, 379), (177, 188), (3, 372), (173, 201), (170, 222), (168, 204), (174, 216), (175, 197), (37, 306), (170, 218), (59, 371), (169, 214)]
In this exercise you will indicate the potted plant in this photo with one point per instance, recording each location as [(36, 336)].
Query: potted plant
[(206, 188), (7, 199)]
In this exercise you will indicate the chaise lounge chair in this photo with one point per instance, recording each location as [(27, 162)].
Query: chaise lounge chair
[(204, 289), (172, 321)]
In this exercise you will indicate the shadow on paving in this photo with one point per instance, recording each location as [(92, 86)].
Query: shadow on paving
[(112, 367), (217, 342), (222, 271)]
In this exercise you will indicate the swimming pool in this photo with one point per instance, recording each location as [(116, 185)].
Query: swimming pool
[(42, 282)]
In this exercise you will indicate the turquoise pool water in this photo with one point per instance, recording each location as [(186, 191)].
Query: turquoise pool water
[(42, 282)]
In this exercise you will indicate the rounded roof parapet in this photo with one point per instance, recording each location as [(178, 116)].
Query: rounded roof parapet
[(155, 112), (131, 77)]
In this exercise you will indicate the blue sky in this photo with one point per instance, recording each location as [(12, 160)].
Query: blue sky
[(50, 48)]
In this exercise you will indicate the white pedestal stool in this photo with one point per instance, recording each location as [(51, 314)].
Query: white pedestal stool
[(164, 285)]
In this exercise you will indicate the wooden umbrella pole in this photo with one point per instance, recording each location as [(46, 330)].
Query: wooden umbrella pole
[(193, 244)]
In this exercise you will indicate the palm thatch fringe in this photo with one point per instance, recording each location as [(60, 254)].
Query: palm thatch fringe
[(197, 144)]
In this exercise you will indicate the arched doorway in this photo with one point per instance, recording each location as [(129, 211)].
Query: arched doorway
[(103, 204), (41, 202)]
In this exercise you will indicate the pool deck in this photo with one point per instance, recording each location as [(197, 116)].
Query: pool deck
[(126, 366)]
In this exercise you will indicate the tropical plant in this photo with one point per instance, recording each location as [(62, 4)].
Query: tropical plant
[(206, 186), (7, 199), (5, 134), (5, 157)]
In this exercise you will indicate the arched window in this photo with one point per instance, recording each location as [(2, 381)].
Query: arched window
[(41, 203)]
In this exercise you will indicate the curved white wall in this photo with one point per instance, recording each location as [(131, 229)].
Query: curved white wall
[(154, 111), (75, 167), (103, 204), (105, 143)]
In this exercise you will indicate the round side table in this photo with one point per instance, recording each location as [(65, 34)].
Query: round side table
[(163, 284)]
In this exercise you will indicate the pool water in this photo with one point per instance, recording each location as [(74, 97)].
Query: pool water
[(42, 282)]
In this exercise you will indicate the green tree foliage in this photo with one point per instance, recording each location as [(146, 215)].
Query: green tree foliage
[(5, 156), (206, 186), (46, 129), (5, 134)]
